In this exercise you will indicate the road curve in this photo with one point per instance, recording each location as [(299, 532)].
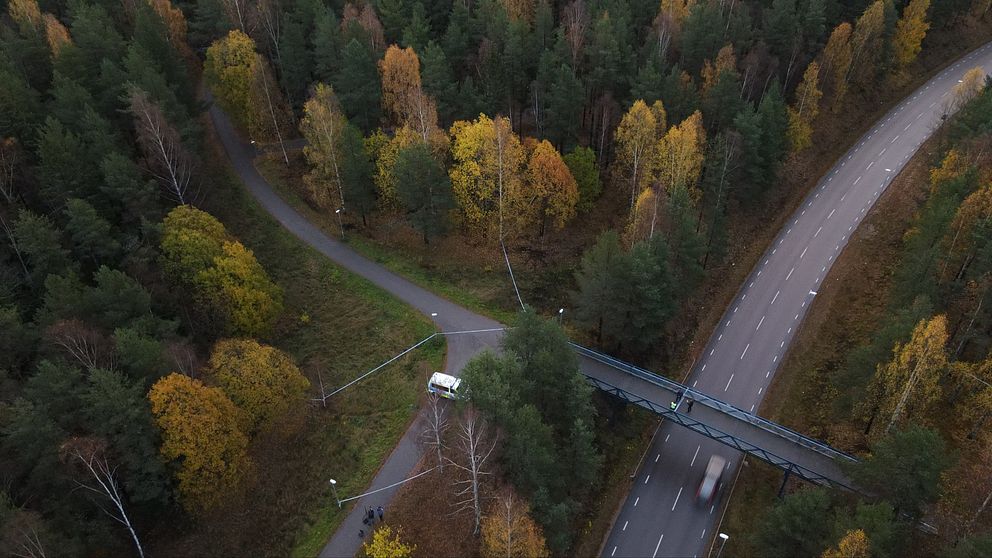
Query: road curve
[(660, 516), (448, 316)]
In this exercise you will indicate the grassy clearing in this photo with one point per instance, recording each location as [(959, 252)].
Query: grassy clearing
[(336, 325), (480, 285)]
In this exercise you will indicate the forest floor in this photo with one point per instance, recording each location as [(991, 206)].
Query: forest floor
[(336, 326)]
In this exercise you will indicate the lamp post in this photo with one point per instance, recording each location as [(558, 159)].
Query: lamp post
[(334, 488), (723, 536), (338, 213), (561, 314)]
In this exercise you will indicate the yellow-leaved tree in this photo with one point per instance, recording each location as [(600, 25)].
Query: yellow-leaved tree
[(911, 29), (805, 109), (262, 380), (550, 193), (968, 88), (487, 174), (679, 163), (400, 72), (232, 287), (230, 70), (637, 144), (202, 431), (910, 382), (322, 125), (508, 531), (386, 544), (960, 242), (853, 545), (866, 42), (837, 58)]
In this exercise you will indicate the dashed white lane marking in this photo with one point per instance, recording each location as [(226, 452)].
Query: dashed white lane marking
[(713, 507), (797, 317), (775, 359), (815, 235), (858, 179), (703, 369), (882, 152), (694, 383), (774, 250), (638, 499), (759, 393), (775, 297), (894, 139), (907, 127), (657, 457), (832, 211), (933, 104), (720, 337), (869, 165), (625, 525), (790, 273), (748, 346), (677, 498), (646, 479), (693, 462), (769, 373), (666, 439), (752, 409), (782, 344), (761, 321), (711, 351), (658, 546), (844, 196), (727, 324), (704, 534), (735, 309), (751, 284), (728, 382), (614, 551)]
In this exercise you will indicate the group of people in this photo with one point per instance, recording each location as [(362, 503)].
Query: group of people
[(678, 399), (369, 519)]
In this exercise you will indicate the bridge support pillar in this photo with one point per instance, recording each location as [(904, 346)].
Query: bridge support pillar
[(785, 479)]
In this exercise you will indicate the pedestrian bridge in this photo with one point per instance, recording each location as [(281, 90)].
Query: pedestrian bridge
[(784, 448)]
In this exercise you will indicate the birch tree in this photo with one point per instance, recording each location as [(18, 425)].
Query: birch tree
[(806, 108), (910, 32), (837, 58), (473, 448), (10, 162), (508, 531), (165, 156), (322, 125), (436, 427), (91, 455), (636, 139)]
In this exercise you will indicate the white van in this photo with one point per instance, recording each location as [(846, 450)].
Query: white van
[(444, 385)]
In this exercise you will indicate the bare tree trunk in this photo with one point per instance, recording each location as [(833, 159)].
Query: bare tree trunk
[(472, 447), (168, 160), (106, 485), (910, 384), (437, 425), (13, 244), (979, 511)]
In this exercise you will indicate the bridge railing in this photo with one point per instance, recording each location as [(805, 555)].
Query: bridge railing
[(722, 437), (726, 408)]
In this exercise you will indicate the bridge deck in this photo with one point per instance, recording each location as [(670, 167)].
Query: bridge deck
[(778, 445)]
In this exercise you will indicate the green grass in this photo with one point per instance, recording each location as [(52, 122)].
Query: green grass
[(486, 292), (337, 326)]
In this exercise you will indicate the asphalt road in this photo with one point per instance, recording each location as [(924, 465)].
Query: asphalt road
[(448, 317), (661, 516)]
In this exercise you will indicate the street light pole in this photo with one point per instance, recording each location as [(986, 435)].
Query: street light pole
[(338, 213), (561, 314), (723, 536), (334, 488)]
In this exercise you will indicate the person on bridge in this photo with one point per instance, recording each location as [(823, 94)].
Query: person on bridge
[(688, 408)]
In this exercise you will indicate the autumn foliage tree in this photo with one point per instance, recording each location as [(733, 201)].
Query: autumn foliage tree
[(387, 544), (202, 431), (323, 125), (805, 109), (487, 174), (836, 59), (508, 531), (910, 31), (550, 193), (262, 380), (910, 382), (235, 290), (637, 138), (854, 544)]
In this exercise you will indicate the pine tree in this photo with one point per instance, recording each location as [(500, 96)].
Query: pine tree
[(358, 83), (424, 190)]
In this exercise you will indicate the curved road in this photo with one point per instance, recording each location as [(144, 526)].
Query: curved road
[(661, 516), (448, 316)]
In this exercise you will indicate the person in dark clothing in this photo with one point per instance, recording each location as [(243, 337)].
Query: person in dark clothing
[(689, 405), (361, 533), (381, 512)]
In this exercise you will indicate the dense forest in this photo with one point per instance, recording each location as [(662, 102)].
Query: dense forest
[(135, 380)]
